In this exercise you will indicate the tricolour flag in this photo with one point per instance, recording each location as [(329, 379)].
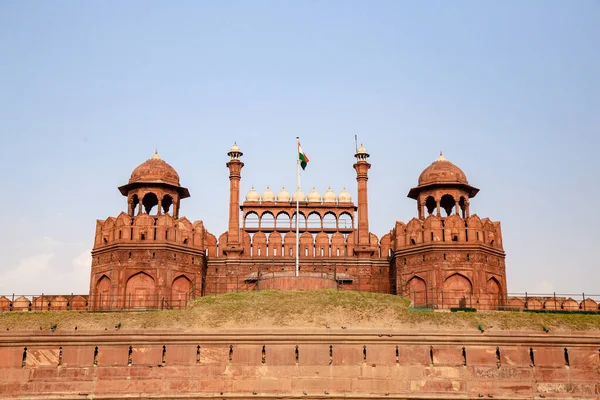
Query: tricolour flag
[(302, 157)]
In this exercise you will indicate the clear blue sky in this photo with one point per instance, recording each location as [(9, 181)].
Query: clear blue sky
[(509, 90)]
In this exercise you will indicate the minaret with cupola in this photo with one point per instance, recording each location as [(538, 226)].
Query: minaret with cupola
[(234, 246), (362, 165)]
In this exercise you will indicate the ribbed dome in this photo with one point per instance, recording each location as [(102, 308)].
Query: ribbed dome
[(344, 196), (253, 195), (314, 196), (283, 196), (442, 171), (362, 150), (329, 196), (155, 169), (299, 195), (268, 195)]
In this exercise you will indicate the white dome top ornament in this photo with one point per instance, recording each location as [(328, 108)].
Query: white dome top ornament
[(253, 196), (300, 196), (344, 197), (283, 196), (329, 196), (268, 195), (314, 196)]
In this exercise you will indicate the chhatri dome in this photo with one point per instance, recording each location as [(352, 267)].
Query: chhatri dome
[(344, 196), (283, 196), (442, 171), (155, 170), (329, 196), (253, 196), (299, 195), (314, 196), (268, 195)]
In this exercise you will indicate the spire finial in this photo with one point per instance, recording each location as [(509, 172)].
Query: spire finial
[(155, 156)]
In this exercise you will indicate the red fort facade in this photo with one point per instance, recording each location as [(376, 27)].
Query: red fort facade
[(150, 256)]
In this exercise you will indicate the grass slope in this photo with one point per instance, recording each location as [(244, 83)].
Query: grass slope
[(303, 309)]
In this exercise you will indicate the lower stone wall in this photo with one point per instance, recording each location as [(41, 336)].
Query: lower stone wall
[(387, 364)]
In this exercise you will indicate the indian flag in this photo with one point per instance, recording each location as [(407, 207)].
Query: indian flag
[(302, 157)]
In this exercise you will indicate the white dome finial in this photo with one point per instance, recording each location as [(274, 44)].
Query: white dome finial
[(155, 156)]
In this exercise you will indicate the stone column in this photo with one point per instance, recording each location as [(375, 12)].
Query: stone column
[(457, 208), (235, 166), (362, 166)]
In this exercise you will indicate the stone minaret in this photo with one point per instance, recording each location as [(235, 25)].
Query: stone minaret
[(362, 166), (235, 165)]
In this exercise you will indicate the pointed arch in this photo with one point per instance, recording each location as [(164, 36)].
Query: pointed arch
[(457, 291), (314, 220), (267, 220), (416, 290), (283, 222), (150, 201), (140, 291), (329, 220), (251, 220), (180, 292), (345, 221), (494, 292), (301, 220), (103, 293)]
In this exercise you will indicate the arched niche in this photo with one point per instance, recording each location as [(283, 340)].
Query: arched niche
[(140, 292), (416, 289), (457, 291), (103, 293), (180, 292)]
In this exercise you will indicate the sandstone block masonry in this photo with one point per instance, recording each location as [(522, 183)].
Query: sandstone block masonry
[(290, 364)]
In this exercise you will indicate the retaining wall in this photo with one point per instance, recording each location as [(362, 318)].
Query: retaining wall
[(301, 363)]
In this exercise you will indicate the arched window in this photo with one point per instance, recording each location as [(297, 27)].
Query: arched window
[(283, 221), (301, 221), (329, 221), (314, 220), (149, 201), (447, 203), (251, 220), (345, 221), (267, 220)]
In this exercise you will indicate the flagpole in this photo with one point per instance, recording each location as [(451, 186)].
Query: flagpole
[(297, 206)]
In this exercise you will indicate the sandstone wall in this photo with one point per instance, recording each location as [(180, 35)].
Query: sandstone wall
[(301, 363)]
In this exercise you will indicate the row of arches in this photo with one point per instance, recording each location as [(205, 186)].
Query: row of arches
[(284, 221), (456, 291), (447, 203), (141, 292), (150, 204)]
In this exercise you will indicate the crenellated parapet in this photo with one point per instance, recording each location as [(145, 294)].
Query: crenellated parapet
[(449, 230), (146, 229)]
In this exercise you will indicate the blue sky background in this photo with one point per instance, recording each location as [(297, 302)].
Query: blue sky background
[(509, 90)]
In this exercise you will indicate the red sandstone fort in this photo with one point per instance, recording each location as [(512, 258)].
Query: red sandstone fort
[(153, 257)]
